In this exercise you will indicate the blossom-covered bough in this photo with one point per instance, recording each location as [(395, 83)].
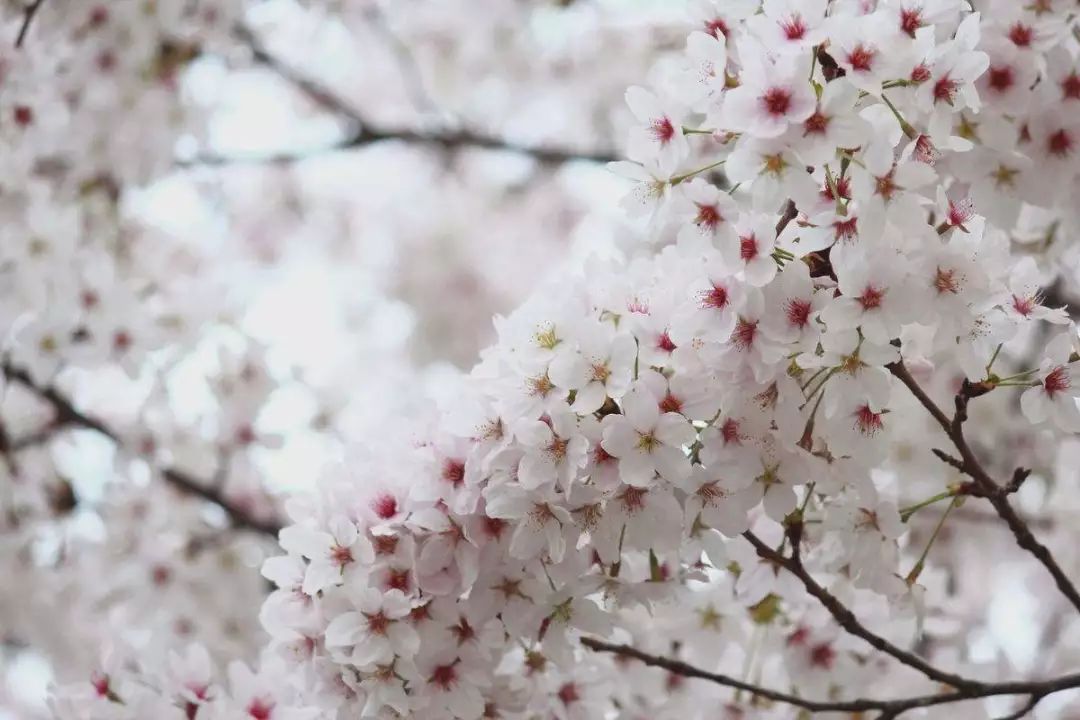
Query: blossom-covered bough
[(731, 455)]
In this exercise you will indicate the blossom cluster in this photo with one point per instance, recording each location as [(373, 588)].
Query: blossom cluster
[(894, 194)]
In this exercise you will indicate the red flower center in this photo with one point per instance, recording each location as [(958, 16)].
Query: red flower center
[(794, 27), (670, 403), (717, 298), (1060, 143), (748, 249), (822, 656), (777, 101), (871, 297), (385, 506), (742, 337), (568, 693), (1021, 34), (867, 421), (454, 472), (910, 20), (1001, 78), (861, 58), (708, 216), (798, 312), (945, 89), (444, 676), (664, 342), (816, 124), (662, 130), (260, 709), (1070, 86), (1057, 381)]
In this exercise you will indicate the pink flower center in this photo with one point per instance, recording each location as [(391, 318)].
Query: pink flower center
[(748, 249), (945, 89), (925, 152), (777, 101), (633, 498), (377, 623), (910, 20), (822, 656), (716, 28), (1021, 34), (867, 421), (385, 506), (794, 27), (920, 73), (717, 298), (670, 403), (816, 124), (861, 58), (730, 432), (1070, 86), (444, 676), (1057, 381), (945, 281), (453, 472), (742, 337), (260, 709), (568, 694), (662, 130), (871, 297), (708, 217), (341, 555), (960, 212), (664, 342), (1060, 143), (1000, 79), (798, 312), (846, 230)]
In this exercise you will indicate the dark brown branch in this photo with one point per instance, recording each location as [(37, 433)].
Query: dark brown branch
[(847, 620), (28, 19), (997, 494), (365, 133), (887, 708), (67, 415)]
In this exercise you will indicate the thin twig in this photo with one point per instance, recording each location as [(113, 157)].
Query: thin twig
[(67, 415), (997, 494), (850, 623), (28, 19), (888, 708), (363, 132)]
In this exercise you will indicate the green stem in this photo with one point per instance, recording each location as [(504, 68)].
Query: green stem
[(910, 510), (915, 571), (686, 176)]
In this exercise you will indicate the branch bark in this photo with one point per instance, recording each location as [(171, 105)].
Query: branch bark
[(28, 19), (997, 494), (67, 415), (888, 708), (365, 133)]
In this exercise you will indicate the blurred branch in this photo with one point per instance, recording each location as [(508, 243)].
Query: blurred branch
[(29, 14), (406, 60), (366, 133), (67, 415)]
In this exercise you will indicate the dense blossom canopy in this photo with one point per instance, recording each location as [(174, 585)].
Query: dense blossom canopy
[(755, 459)]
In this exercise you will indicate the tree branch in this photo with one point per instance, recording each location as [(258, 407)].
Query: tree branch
[(847, 620), (28, 18), (67, 415), (997, 494), (365, 133), (887, 708)]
